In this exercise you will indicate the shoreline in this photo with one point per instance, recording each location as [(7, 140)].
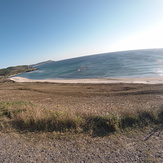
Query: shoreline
[(93, 81)]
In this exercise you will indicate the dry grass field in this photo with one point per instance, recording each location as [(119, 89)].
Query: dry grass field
[(96, 109)]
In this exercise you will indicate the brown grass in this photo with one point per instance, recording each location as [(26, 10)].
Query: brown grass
[(26, 116), (93, 109)]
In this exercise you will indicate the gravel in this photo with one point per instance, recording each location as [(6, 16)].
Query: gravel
[(130, 146)]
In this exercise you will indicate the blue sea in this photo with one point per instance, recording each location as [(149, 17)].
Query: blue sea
[(124, 64)]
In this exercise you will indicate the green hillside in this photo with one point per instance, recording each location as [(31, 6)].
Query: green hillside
[(15, 70)]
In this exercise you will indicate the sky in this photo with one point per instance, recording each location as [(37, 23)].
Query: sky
[(32, 31)]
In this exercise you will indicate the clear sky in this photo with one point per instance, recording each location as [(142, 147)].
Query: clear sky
[(38, 30)]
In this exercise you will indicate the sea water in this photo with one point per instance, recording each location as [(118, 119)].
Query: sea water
[(125, 64)]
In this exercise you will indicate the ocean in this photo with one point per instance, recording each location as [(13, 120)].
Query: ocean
[(124, 64)]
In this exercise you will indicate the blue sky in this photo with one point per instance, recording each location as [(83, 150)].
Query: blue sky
[(37, 30)]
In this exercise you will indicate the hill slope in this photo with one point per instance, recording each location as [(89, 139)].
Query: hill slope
[(15, 70)]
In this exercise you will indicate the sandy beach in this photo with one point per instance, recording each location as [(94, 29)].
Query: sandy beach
[(95, 81)]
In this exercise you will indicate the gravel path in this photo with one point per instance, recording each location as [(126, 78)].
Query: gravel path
[(121, 148)]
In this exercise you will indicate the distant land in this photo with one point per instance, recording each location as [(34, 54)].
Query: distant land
[(41, 63), (9, 71)]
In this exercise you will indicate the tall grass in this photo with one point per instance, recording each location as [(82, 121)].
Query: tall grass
[(27, 116)]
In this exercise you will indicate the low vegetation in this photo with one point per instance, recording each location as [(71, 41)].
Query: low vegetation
[(15, 70), (95, 110), (27, 116)]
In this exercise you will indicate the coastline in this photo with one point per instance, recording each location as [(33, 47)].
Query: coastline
[(94, 81)]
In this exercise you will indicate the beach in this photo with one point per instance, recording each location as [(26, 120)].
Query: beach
[(95, 81)]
